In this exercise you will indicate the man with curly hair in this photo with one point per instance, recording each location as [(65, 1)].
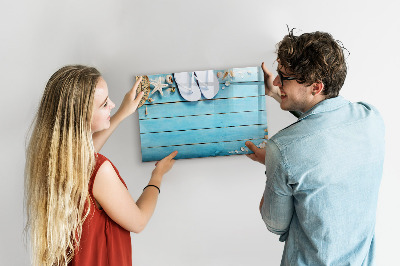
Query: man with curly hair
[(323, 171)]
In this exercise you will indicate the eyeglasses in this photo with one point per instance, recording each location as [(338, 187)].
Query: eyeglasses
[(282, 78)]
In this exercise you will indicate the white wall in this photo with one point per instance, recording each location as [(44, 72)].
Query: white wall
[(208, 208)]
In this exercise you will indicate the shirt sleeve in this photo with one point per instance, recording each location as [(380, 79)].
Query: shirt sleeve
[(277, 209)]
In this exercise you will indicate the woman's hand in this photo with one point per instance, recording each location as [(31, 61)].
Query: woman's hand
[(270, 89), (131, 101), (163, 166)]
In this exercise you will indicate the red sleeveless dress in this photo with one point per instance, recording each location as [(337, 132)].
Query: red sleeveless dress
[(103, 241)]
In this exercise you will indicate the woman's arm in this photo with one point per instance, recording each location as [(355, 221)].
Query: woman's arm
[(116, 201), (128, 107)]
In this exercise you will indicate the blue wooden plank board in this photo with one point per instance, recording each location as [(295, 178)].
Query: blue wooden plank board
[(202, 135), (217, 106), (199, 150), (208, 127), (203, 121)]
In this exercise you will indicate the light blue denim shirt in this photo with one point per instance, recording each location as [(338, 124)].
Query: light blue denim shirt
[(323, 176)]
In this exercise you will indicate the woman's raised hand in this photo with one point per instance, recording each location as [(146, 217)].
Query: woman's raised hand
[(131, 100)]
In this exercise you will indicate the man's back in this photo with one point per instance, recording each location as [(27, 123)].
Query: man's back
[(329, 165)]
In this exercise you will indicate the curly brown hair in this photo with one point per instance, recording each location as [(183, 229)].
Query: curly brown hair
[(314, 57)]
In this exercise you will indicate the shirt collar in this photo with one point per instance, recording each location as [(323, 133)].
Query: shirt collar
[(325, 106)]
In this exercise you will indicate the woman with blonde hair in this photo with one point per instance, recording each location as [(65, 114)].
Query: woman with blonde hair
[(79, 211)]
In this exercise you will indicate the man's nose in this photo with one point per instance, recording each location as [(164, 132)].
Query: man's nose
[(277, 81)]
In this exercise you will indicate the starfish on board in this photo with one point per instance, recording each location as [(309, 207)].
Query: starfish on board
[(158, 86)]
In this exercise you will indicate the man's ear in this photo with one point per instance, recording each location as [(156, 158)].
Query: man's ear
[(317, 88)]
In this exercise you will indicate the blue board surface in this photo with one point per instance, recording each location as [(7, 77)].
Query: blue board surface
[(207, 127)]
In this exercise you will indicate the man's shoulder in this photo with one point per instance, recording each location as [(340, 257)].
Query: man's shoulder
[(368, 114), (367, 108), (326, 122)]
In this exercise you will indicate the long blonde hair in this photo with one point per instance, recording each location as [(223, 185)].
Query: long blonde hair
[(59, 161)]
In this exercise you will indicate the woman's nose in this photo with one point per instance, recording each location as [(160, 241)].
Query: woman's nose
[(112, 105)]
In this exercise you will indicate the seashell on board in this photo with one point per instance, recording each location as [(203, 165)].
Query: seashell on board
[(169, 79), (144, 85)]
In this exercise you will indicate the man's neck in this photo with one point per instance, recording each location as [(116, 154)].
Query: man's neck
[(316, 100)]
